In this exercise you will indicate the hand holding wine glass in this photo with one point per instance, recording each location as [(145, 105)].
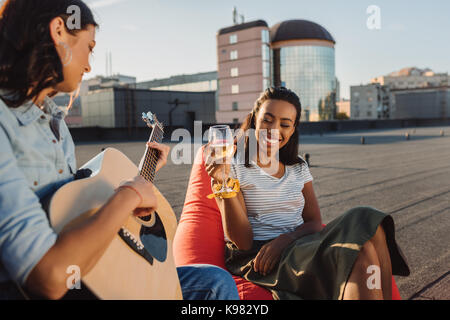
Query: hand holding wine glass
[(218, 154)]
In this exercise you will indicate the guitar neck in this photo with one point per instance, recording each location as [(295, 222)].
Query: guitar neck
[(151, 155)]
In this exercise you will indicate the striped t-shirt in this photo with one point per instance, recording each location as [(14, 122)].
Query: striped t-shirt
[(274, 205)]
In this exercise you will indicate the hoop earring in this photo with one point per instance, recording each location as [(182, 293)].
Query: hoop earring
[(68, 54)]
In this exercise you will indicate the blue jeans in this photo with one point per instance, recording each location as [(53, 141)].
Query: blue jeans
[(206, 282)]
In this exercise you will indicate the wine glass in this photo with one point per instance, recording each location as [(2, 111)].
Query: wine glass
[(222, 147)]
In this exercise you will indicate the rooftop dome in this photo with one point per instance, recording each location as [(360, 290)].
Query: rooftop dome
[(299, 30)]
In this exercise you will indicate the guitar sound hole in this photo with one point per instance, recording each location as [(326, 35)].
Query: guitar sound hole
[(146, 218), (154, 239)]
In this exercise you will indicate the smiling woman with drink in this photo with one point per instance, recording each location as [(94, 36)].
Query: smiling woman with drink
[(274, 225)]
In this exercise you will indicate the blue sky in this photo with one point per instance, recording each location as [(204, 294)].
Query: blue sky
[(158, 38)]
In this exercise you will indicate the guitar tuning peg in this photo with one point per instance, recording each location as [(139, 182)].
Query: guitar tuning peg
[(151, 117)]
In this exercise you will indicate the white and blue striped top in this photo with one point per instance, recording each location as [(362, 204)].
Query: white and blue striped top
[(274, 205)]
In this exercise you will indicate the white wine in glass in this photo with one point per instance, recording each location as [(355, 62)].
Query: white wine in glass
[(222, 147)]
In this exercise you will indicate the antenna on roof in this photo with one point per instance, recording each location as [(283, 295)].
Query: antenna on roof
[(106, 66), (110, 64), (235, 16)]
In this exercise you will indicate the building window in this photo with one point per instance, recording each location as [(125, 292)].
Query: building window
[(235, 89), (265, 52), (235, 106), (266, 69), (265, 36), (235, 120), (234, 72), (369, 113), (266, 84), (233, 38), (233, 55)]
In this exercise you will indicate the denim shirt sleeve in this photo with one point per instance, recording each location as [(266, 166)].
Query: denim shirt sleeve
[(25, 233)]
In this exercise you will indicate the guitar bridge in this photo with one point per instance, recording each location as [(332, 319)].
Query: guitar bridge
[(134, 243)]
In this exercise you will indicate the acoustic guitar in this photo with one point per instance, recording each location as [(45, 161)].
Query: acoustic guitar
[(138, 264)]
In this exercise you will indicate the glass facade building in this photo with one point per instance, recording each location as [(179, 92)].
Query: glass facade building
[(297, 54), (310, 72), (303, 60), (265, 57)]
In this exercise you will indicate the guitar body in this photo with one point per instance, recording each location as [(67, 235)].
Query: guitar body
[(138, 264)]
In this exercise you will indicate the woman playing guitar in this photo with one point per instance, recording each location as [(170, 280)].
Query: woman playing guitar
[(41, 53)]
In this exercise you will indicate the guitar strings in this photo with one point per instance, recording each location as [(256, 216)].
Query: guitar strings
[(151, 159)]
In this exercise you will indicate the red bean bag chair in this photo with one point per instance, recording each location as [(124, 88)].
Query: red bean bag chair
[(200, 239)]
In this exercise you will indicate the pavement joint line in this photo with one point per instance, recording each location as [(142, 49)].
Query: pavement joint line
[(429, 197), (428, 286), (402, 165), (371, 185), (433, 215), (422, 271)]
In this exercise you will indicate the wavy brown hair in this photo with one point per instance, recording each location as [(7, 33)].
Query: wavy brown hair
[(29, 61), (289, 153)]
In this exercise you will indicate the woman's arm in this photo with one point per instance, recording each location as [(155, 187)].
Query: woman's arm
[(84, 245), (233, 211), (235, 221)]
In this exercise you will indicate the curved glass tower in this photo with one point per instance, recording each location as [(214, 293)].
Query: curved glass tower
[(304, 61)]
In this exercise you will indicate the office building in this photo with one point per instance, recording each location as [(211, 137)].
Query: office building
[(297, 54), (120, 107), (409, 78), (243, 52), (198, 82), (343, 107), (371, 101), (422, 103)]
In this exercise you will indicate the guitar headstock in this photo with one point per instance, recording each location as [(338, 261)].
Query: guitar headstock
[(151, 120)]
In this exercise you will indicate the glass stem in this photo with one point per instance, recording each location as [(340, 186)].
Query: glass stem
[(225, 178)]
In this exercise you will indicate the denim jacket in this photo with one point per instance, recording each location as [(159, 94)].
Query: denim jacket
[(33, 163)]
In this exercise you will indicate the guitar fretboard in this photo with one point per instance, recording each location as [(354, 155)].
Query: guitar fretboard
[(151, 155)]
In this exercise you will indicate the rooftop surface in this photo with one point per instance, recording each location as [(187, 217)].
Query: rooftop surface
[(409, 179)]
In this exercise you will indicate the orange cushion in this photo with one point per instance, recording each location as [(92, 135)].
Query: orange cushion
[(200, 239)]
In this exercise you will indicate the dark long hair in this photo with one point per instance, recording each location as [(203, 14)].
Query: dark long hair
[(289, 153), (28, 57)]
